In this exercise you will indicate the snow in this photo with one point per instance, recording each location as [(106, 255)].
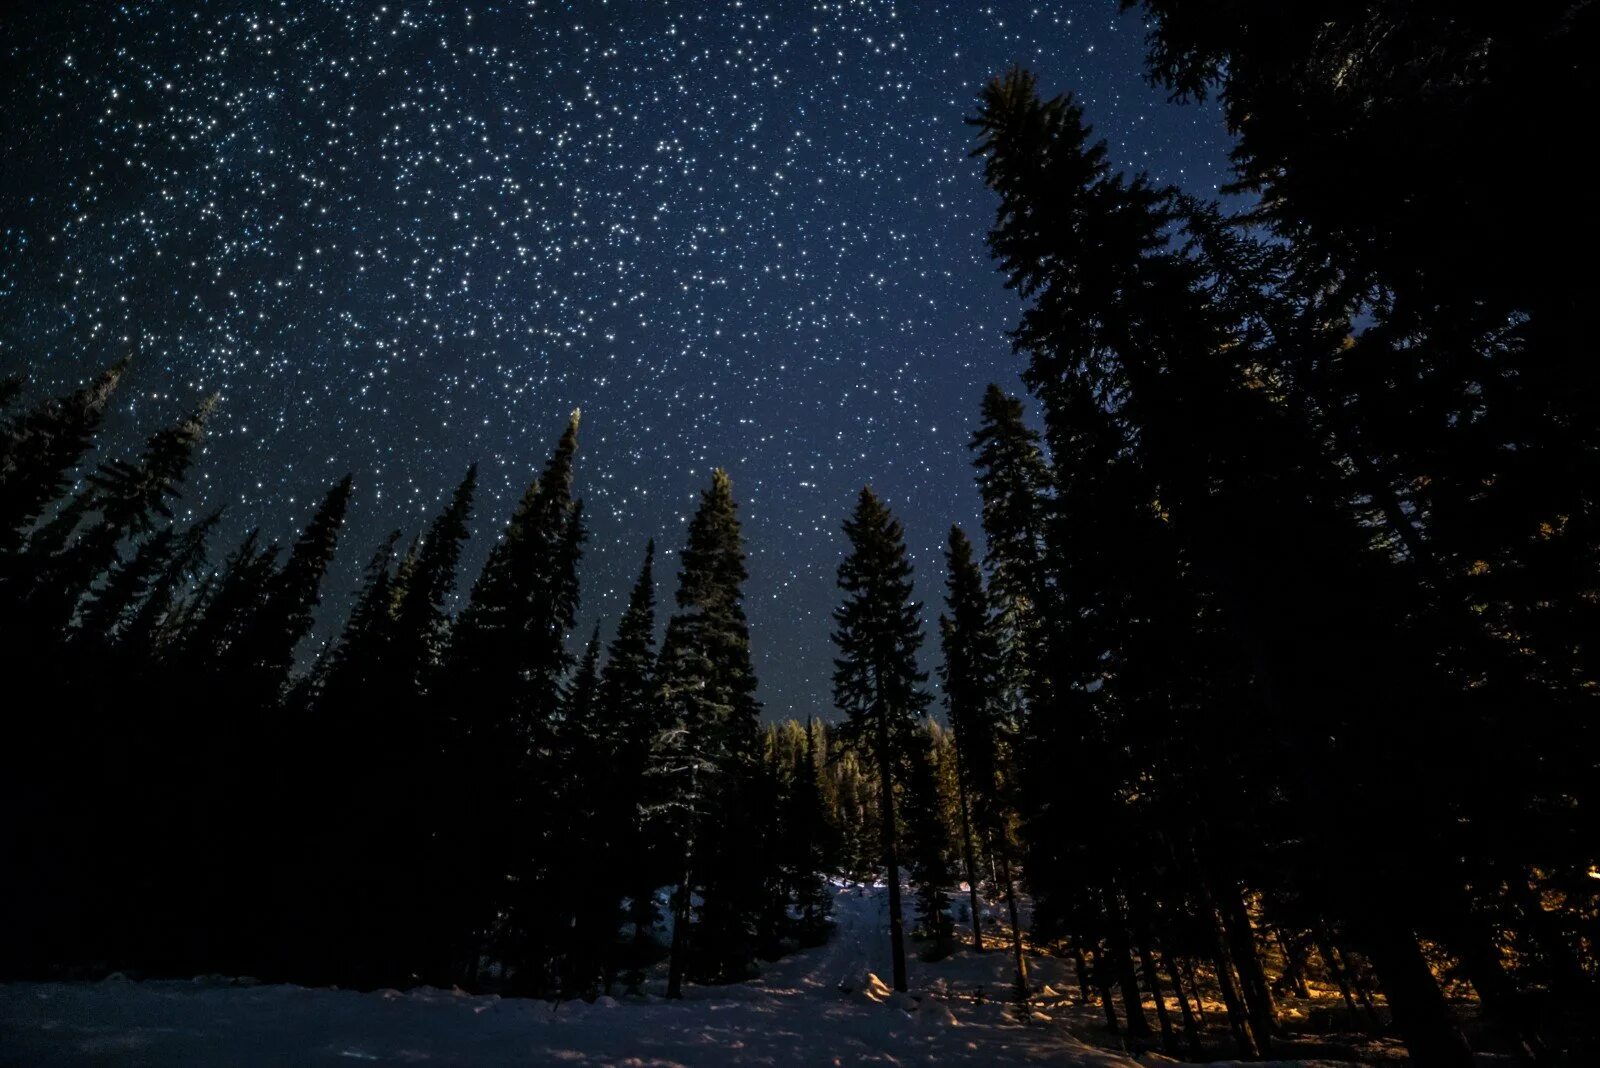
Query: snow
[(819, 1007)]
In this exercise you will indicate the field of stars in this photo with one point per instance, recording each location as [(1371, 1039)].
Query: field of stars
[(400, 237)]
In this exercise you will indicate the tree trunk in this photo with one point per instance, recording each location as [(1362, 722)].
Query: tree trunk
[(968, 857), (1336, 970), (1138, 1025), (1417, 1004), (680, 936), (891, 859), (1019, 959), (1238, 1019), (1191, 1030), (1294, 964), (1187, 968), (1358, 980), (1252, 977), (1103, 983), (1082, 967), (1147, 963)]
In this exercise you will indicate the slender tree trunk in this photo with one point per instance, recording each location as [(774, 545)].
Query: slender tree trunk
[(1336, 970), (1019, 959), (1189, 977), (1080, 965), (1358, 982), (1138, 1025), (1238, 1019), (967, 855), (1103, 983), (1294, 964), (680, 938), (680, 907), (1191, 1030), (1252, 977), (891, 859), (1147, 964)]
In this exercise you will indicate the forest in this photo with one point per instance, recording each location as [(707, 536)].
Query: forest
[(1275, 659)]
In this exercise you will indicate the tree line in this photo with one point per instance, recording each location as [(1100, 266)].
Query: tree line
[(442, 796)]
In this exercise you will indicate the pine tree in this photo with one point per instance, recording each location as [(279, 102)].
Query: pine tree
[(354, 665), (1014, 483), (503, 679), (124, 498), (290, 601), (421, 746), (876, 681), (632, 714), (585, 839), (422, 594), (707, 757), (40, 447), (971, 678), (155, 621)]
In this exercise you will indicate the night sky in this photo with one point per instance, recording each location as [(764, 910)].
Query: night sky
[(401, 237)]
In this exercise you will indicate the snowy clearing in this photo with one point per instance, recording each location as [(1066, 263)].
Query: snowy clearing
[(819, 1007)]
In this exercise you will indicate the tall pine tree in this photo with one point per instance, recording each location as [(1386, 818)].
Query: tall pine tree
[(877, 683), (707, 758)]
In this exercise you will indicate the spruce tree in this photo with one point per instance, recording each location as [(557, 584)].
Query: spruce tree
[(584, 840), (40, 447), (352, 668), (631, 709), (706, 758), (422, 594), (287, 611), (123, 498), (1014, 483), (971, 678), (419, 744), (502, 685), (877, 683)]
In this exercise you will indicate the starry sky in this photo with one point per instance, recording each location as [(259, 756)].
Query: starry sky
[(401, 237)]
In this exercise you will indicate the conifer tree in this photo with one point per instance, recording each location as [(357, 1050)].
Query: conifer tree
[(420, 736), (503, 680), (876, 681), (583, 843), (971, 678), (123, 498), (352, 667), (155, 619), (631, 710), (422, 594), (707, 758), (40, 447), (1014, 483), (290, 601)]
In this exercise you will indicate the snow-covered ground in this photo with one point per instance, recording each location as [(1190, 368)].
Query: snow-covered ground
[(824, 1006)]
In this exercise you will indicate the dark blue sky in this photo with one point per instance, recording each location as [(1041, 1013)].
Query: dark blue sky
[(400, 237)]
